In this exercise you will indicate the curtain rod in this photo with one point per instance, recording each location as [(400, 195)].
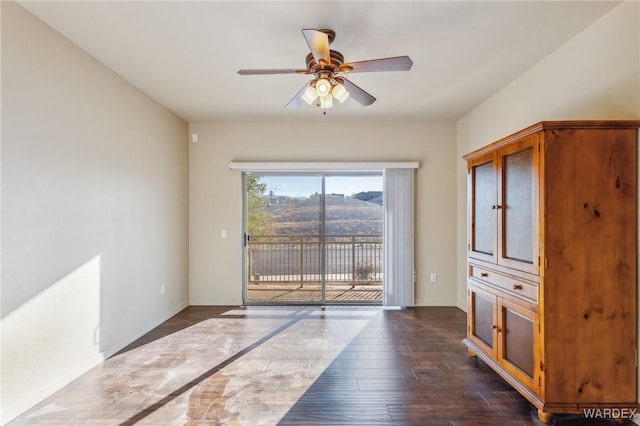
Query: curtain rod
[(249, 166)]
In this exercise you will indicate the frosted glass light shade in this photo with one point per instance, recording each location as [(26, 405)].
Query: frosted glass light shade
[(309, 95), (340, 93), (326, 102), (323, 87)]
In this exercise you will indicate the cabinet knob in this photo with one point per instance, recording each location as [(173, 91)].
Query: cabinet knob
[(517, 286), (496, 206), (484, 274)]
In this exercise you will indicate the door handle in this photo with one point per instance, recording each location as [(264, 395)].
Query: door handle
[(246, 238)]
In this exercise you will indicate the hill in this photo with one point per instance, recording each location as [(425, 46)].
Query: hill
[(344, 216)]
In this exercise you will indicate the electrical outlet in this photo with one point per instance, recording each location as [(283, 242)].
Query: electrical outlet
[(434, 277), (163, 289), (223, 233)]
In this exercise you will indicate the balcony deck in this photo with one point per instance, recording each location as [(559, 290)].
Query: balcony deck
[(289, 269), (312, 292)]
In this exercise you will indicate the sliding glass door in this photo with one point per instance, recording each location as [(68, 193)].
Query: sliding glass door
[(353, 238), (283, 255), (313, 238)]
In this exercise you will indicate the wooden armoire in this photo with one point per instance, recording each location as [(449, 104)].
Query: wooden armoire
[(552, 251)]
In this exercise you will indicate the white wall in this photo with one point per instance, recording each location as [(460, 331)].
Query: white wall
[(215, 264), (596, 75), (94, 211)]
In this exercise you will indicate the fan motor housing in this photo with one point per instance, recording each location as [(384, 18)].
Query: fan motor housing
[(336, 60)]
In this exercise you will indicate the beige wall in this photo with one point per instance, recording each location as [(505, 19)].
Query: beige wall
[(596, 75), (94, 211), (215, 264)]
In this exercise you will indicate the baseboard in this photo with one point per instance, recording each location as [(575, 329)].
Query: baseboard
[(122, 343), (15, 410), (425, 303)]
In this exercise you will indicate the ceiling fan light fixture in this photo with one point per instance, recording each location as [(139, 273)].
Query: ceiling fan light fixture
[(323, 87), (326, 67), (326, 102), (340, 93), (309, 95)]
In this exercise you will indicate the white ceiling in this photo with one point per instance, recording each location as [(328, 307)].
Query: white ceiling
[(186, 55)]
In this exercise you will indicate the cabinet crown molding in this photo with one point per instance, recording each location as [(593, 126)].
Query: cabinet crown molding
[(550, 125)]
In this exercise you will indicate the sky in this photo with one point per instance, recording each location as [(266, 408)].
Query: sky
[(303, 186)]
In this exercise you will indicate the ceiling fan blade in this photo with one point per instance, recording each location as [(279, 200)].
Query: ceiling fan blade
[(397, 63), (318, 44), (272, 71), (359, 95), (297, 100)]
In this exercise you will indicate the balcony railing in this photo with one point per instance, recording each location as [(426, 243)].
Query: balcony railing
[(291, 259)]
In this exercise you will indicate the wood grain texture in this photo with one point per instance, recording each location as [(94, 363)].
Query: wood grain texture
[(591, 249), (585, 231), (549, 125)]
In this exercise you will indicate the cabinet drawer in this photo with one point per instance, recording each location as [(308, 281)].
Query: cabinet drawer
[(509, 284)]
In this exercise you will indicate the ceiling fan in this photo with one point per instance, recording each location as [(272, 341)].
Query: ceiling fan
[(328, 68)]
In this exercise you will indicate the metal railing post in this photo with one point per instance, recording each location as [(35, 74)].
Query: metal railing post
[(301, 262), (353, 261), (249, 268)]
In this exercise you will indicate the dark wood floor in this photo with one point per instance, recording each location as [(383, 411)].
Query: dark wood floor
[(294, 366)]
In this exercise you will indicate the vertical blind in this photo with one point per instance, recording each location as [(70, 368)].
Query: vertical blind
[(398, 193)]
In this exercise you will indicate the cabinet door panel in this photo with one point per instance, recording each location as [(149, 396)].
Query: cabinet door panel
[(518, 201), (517, 341), (484, 195), (482, 205), (482, 319), (518, 206)]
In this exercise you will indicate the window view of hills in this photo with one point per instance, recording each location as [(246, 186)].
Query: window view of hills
[(290, 257), (344, 216), (360, 213)]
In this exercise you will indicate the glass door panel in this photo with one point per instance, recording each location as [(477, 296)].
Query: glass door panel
[(518, 231), (518, 205), (313, 238), (483, 241), (354, 219), (283, 260)]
